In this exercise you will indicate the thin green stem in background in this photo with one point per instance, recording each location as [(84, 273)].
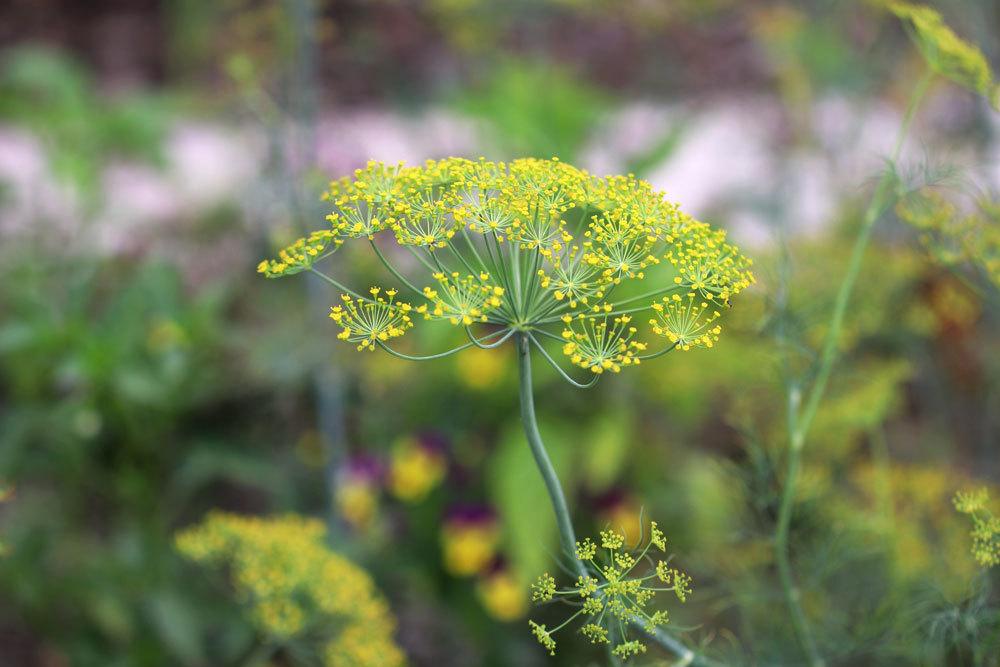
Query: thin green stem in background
[(800, 418)]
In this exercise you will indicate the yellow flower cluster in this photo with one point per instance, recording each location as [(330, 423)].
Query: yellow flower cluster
[(524, 246), (953, 237), (294, 585), (463, 299), (302, 254), (368, 322), (615, 593), (599, 343), (414, 470), (985, 526), (685, 323), (469, 543), (502, 595), (357, 501), (945, 52)]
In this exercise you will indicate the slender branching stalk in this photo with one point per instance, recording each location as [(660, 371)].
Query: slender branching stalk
[(536, 251), (567, 536), (800, 415)]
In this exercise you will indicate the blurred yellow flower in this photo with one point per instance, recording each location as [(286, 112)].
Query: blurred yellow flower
[(502, 595), (357, 502), (311, 449), (953, 236), (481, 369), (956, 307), (622, 514), (415, 468), (945, 52), (357, 492), (282, 570), (985, 531), (469, 540), (926, 542)]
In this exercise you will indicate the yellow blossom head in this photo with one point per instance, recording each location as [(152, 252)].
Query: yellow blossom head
[(985, 531), (469, 540), (605, 268), (502, 593), (356, 493), (945, 52), (616, 590), (291, 583), (417, 465)]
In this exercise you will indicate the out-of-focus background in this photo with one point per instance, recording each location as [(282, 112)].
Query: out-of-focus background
[(151, 152)]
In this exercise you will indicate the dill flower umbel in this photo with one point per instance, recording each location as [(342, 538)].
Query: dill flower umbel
[(985, 525), (366, 321), (616, 591), (945, 52), (603, 270), (953, 236), (538, 248), (295, 587)]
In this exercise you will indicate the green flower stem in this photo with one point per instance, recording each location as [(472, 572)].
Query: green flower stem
[(478, 342), (421, 259), (448, 353), (799, 418), (393, 270), (548, 334), (468, 267), (654, 355), (429, 357), (515, 262), (336, 284), (558, 368), (567, 536)]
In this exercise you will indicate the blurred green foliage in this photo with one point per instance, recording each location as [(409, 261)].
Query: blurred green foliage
[(128, 417), (134, 398), (82, 128), (536, 109)]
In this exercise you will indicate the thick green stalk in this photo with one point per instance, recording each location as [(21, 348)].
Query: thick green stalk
[(567, 536), (799, 418)]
